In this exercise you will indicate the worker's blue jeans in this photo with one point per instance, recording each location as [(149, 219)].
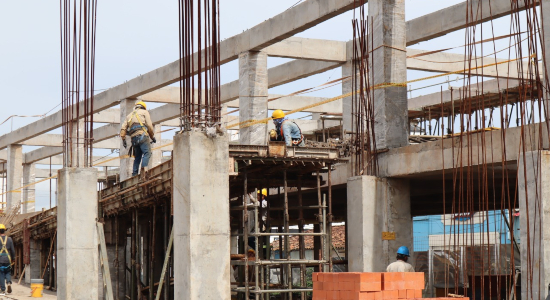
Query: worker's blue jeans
[(142, 147), (5, 276)]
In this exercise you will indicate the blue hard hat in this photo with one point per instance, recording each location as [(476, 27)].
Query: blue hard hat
[(403, 250)]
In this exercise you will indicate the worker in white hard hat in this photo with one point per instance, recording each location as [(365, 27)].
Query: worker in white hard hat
[(401, 265), (140, 128), (286, 131)]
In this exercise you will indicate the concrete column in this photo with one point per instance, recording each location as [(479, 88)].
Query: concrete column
[(77, 241), (391, 111), (15, 174), (33, 269), (29, 174), (201, 217), (126, 164), (156, 155), (253, 95), (377, 205), (534, 205)]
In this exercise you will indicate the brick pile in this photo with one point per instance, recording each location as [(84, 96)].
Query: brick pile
[(369, 286)]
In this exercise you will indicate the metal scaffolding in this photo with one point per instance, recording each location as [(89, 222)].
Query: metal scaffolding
[(254, 272)]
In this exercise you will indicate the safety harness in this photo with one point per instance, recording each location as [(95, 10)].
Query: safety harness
[(4, 252), (295, 142), (136, 127)]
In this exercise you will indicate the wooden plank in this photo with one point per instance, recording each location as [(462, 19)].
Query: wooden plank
[(104, 262)]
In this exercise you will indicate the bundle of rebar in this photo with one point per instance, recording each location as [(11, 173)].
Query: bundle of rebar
[(482, 177), (363, 101), (199, 27), (78, 40)]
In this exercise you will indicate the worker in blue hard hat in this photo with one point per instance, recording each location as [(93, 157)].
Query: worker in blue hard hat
[(401, 265)]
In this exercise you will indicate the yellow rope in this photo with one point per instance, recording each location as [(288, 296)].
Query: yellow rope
[(248, 123)]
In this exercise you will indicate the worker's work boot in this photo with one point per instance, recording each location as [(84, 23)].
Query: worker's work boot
[(9, 288), (143, 174)]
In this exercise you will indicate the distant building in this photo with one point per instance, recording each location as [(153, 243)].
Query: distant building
[(457, 249)]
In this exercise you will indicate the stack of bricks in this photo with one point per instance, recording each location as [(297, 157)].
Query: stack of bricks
[(368, 286)]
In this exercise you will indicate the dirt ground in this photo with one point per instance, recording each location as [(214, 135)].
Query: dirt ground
[(22, 291)]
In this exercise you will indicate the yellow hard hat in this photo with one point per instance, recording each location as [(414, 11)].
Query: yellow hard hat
[(142, 104), (2, 226), (278, 114), (263, 192)]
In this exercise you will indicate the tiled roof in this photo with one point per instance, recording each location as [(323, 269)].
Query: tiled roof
[(338, 239)]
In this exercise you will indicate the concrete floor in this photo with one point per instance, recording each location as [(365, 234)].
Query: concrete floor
[(22, 291)]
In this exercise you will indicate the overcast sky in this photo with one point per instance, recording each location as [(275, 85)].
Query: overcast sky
[(137, 36)]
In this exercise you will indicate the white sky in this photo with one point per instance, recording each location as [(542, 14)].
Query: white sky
[(137, 36)]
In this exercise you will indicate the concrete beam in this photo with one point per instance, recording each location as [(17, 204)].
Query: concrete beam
[(489, 87), (428, 158), (111, 115), (314, 49), (452, 62), (294, 102), (452, 18)]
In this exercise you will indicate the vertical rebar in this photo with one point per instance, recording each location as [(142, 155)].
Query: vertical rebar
[(302, 246), (287, 237), (245, 233), (133, 283)]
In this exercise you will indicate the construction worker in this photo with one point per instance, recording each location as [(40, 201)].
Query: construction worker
[(262, 197), (140, 128), (286, 131), (401, 265), (7, 255)]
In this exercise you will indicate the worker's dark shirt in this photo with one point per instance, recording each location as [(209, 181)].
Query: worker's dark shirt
[(9, 245)]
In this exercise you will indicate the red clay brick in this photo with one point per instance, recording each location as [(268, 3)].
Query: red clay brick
[(368, 286), (414, 280), (317, 285), (319, 295), (361, 277), (347, 286), (393, 281), (402, 294), (333, 295), (314, 277), (385, 295), (411, 294), (418, 293), (364, 296)]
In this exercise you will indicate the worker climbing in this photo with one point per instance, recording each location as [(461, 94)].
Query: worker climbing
[(286, 130), (401, 265), (7, 255), (140, 128)]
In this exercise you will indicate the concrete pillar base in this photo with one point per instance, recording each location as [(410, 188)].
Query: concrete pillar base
[(534, 217), (77, 241), (377, 205), (201, 217)]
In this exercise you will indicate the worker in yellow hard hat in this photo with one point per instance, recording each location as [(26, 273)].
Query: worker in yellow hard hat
[(7, 256), (262, 197), (140, 128), (286, 130)]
